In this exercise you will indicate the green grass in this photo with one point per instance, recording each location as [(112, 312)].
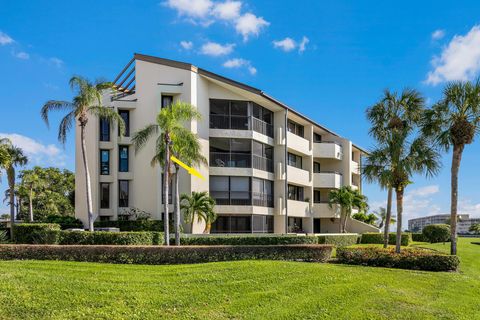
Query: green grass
[(234, 290)]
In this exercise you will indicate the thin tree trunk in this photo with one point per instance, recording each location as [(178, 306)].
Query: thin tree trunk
[(399, 193), (349, 211), (176, 208), (30, 204), (456, 159), (11, 186), (388, 218), (208, 227), (88, 183), (166, 173), (342, 214)]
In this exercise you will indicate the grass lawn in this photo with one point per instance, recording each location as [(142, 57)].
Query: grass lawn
[(246, 289)]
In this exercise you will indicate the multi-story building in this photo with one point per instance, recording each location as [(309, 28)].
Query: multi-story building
[(270, 167), (463, 225)]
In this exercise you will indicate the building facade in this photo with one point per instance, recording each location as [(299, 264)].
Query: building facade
[(463, 225), (270, 168)]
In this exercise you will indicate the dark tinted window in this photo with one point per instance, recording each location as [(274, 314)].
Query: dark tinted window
[(316, 167), (104, 130), (167, 101), (104, 162), (104, 195), (123, 193), (125, 114)]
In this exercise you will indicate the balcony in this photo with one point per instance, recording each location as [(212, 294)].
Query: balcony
[(355, 167), (328, 150), (298, 144), (242, 198), (298, 208), (218, 121), (240, 160), (323, 210), (298, 176), (332, 180)]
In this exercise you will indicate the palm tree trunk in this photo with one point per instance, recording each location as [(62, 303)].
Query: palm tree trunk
[(30, 204), (11, 201), (166, 173), (399, 193), (388, 218), (344, 227), (176, 208), (456, 159), (88, 183), (208, 227)]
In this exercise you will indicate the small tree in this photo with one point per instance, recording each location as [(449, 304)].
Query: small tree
[(199, 205), (366, 218), (382, 216), (437, 233), (347, 199), (475, 228)]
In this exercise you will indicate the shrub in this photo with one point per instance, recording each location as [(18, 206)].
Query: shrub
[(415, 259), (165, 255), (437, 233), (247, 240), (132, 225), (377, 238), (65, 222), (339, 240), (36, 233), (419, 237), (110, 238), (3, 236)]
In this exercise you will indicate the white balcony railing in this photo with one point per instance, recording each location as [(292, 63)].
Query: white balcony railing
[(328, 149), (327, 180), (298, 208), (298, 176), (298, 144)]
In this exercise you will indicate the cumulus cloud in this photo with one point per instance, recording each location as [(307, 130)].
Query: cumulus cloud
[(38, 153), (227, 10), (5, 39), (438, 34), (190, 8), (187, 45), (21, 55), (250, 25), (459, 60), (239, 63), (288, 44), (216, 49)]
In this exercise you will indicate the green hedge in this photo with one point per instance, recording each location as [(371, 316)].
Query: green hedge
[(419, 237), (339, 240), (377, 238), (408, 259), (435, 233), (134, 225), (65, 222), (165, 255), (247, 240), (109, 238), (35, 232)]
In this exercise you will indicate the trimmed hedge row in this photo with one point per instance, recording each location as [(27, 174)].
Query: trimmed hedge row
[(408, 259), (419, 237), (247, 240), (339, 240), (133, 225), (35, 232), (109, 238), (165, 255), (377, 238)]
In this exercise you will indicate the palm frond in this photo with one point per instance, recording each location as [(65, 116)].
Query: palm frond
[(54, 105), (141, 137)]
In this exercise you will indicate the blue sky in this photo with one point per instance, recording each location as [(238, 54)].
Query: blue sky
[(328, 59)]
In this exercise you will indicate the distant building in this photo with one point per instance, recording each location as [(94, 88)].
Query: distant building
[(463, 225)]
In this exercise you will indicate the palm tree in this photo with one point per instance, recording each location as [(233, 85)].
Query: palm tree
[(453, 122), (31, 182), (347, 198), (170, 129), (199, 205), (382, 216), (86, 103)]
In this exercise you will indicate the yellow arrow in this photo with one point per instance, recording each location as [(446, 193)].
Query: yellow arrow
[(190, 170)]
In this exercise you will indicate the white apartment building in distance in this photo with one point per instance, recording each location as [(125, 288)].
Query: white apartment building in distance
[(270, 167), (463, 225)]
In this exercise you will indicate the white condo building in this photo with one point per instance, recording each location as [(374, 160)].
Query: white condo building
[(270, 167)]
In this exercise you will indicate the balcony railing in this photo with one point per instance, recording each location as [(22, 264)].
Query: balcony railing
[(218, 121), (240, 160), (242, 198)]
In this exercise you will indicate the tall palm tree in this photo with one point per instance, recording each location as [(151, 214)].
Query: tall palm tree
[(86, 103), (347, 198), (381, 213), (31, 182), (169, 128), (453, 122), (199, 205)]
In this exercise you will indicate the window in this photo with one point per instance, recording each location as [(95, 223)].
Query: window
[(317, 137), (125, 114), (262, 155), (316, 167), (240, 191), (262, 120), (316, 196), (295, 128), (123, 159), (104, 195), (166, 101), (219, 189), (225, 114), (262, 192), (232, 224), (123, 193), (104, 130), (295, 193), (104, 162), (294, 161), (295, 224)]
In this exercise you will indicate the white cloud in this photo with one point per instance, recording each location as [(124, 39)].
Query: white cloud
[(465, 206), (239, 63), (187, 45), (21, 55), (56, 62), (438, 34), (227, 10), (191, 8), (459, 60), (287, 44), (216, 49), (38, 153), (425, 191), (303, 44), (249, 24), (5, 39)]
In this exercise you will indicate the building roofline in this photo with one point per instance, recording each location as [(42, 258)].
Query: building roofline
[(191, 67)]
